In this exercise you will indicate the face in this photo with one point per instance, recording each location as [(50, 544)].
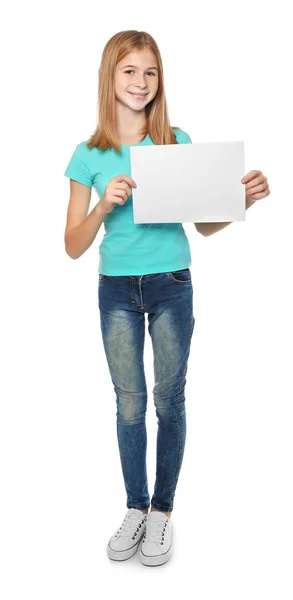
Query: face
[(141, 78)]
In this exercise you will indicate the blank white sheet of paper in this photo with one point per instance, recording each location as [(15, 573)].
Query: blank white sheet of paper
[(198, 182)]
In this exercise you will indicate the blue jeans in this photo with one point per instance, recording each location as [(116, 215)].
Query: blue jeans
[(123, 302)]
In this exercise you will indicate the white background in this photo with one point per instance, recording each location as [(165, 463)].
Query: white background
[(227, 77)]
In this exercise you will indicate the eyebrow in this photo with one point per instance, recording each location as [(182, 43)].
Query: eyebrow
[(135, 67)]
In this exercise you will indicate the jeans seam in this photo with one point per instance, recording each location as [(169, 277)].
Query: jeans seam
[(180, 411)]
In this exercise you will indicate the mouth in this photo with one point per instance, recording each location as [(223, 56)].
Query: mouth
[(138, 95)]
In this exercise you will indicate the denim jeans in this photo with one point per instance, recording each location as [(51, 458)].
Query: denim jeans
[(123, 301)]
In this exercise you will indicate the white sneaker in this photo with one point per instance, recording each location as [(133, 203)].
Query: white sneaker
[(125, 542), (156, 546)]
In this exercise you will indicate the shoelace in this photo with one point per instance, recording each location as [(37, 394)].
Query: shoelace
[(155, 530), (128, 525)]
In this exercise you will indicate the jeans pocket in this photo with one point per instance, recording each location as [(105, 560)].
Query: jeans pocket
[(181, 276)]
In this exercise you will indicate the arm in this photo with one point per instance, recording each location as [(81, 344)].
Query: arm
[(79, 238), (207, 229), (81, 227)]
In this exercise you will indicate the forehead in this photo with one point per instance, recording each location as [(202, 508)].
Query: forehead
[(140, 58)]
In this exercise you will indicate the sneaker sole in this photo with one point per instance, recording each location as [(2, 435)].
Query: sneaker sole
[(154, 561), (122, 554)]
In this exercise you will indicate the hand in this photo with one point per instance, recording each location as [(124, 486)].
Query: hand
[(256, 186), (117, 191)]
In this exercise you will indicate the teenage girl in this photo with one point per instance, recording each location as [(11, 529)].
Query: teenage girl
[(143, 269)]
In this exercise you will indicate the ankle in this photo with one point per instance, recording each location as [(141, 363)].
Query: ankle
[(168, 514)]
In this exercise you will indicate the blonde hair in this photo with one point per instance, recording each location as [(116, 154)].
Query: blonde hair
[(157, 120)]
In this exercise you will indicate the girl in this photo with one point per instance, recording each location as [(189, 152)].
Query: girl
[(143, 269)]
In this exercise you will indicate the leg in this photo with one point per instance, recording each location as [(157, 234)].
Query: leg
[(171, 327), (123, 332)]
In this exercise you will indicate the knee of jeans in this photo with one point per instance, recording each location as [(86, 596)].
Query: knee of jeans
[(131, 410), (167, 407), (167, 394)]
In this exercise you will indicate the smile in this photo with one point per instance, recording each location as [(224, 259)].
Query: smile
[(138, 95)]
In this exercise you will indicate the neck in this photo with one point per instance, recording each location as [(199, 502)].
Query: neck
[(129, 122)]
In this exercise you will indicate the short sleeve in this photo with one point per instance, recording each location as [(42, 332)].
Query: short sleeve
[(77, 167), (186, 139), (182, 137)]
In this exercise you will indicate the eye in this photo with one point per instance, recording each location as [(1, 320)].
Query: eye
[(130, 70)]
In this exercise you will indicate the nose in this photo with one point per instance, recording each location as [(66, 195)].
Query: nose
[(140, 81)]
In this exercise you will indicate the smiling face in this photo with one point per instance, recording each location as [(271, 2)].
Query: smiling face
[(137, 73)]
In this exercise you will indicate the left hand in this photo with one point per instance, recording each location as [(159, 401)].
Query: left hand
[(256, 186)]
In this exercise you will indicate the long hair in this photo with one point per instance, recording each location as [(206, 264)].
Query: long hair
[(157, 121)]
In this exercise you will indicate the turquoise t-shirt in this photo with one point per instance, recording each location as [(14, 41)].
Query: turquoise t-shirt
[(129, 248)]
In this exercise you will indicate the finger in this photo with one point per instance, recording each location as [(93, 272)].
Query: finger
[(121, 198), (255, 189), (256, 181), (120, 187), (250, 176), (260, 195), (126, 179)]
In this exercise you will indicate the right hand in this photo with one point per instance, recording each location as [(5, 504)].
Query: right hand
[(116, 192)]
